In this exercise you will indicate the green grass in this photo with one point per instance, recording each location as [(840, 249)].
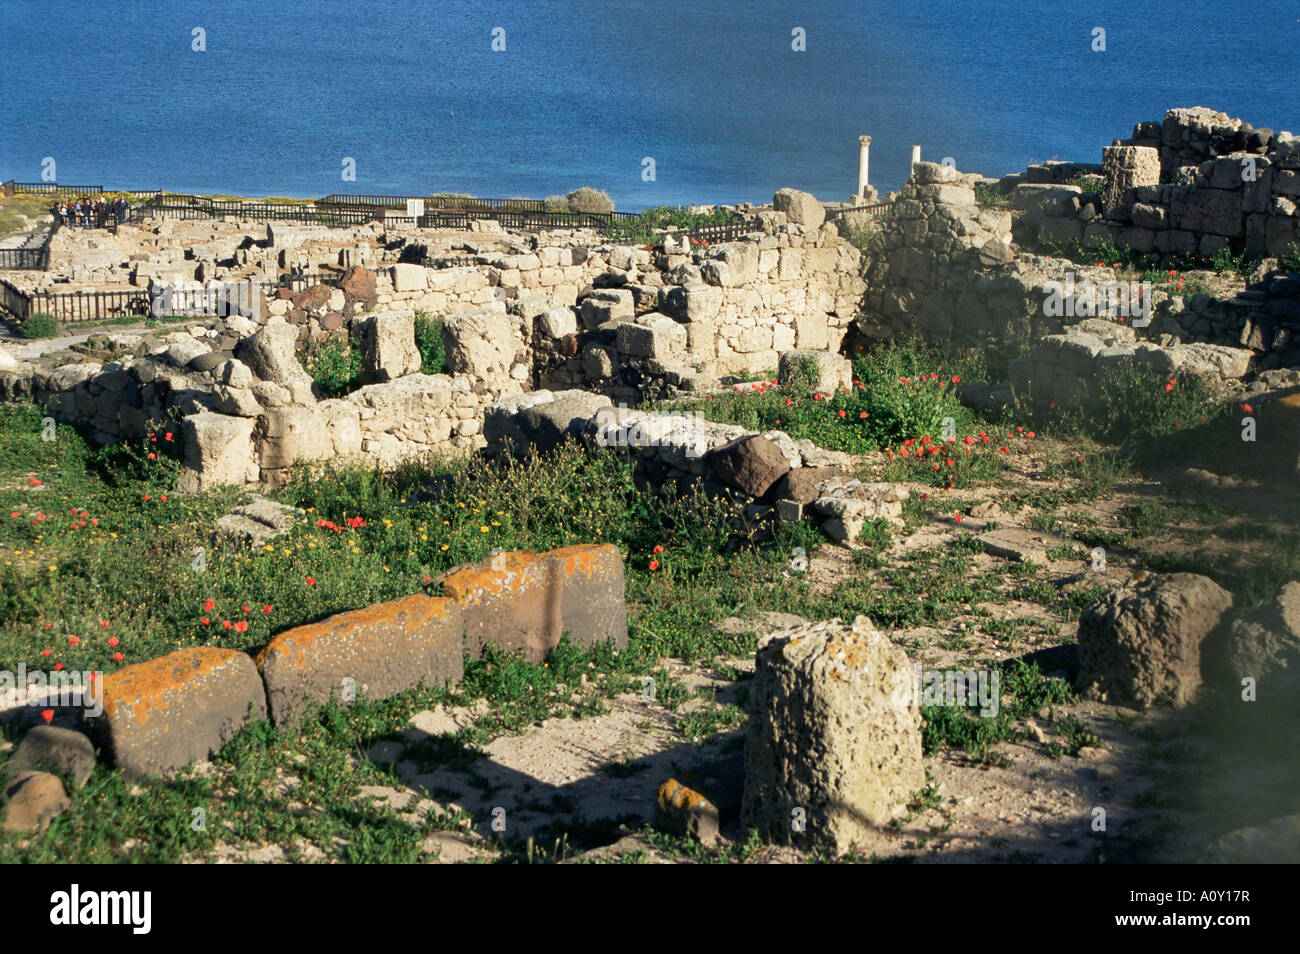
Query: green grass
[(902, 391), (334, 364), (428, 341)]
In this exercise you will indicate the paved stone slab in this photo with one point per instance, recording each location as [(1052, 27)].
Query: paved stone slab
[(1021, 545)]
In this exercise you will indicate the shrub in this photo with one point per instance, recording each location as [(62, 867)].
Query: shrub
[(1225, 261), (334, 365), (556, 203), (428, 340), (989, 194), (1290, 262), (40, 325), (588, 199)]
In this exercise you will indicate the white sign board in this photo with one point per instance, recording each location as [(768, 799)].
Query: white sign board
[(414, 208)]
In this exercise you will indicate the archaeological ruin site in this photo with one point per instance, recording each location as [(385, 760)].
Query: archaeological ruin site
[(956, 524)]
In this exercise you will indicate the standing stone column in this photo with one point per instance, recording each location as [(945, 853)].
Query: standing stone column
[(1125, 168), (916, 157), (864, 153), (833, 750)]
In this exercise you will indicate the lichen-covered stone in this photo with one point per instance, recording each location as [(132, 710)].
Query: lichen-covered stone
[(375, 652), (161, 714), (834, 739)]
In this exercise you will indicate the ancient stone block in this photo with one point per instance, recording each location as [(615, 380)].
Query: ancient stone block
[(801, 208), (1140, 645), (750, 464), (834, 737), (161, 714), (1125, 168), (373, 653), (524, 601)]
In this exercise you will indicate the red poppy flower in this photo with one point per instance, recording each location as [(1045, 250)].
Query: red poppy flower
[(246, 607), (209, 604), (45, 652), (862, 415), (241, 627), (152, 455), (1246, 408), (266, 609), (104, 623), (658, 549), (73, 640), (47, 715), (957, 517), (112, 641), (311, 581), (204, 620), (118, 657), (225, 624), (654, 564), (840, 412), (58, 667)]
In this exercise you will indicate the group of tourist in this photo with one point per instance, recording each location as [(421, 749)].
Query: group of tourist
[(91, 212)]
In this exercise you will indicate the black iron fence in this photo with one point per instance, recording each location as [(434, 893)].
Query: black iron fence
[(876, 211), (726, 232), (48, 188), (298, 280), (32, 254), (199, 207), (80, 307)]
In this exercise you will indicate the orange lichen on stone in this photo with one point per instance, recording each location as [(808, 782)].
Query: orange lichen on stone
[(504, 573), (581, 558), (414, 611), (144, 686), (673, 794)]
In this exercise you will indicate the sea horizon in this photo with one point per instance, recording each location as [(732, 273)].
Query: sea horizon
[(725, 107)]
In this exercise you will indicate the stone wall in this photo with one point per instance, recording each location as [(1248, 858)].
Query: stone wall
[(246, 411), (949, 270), (768, 477), (1189, 186)]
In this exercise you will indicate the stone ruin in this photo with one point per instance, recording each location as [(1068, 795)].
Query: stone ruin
[(526, 315)]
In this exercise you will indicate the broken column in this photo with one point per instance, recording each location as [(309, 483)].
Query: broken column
[(1126, 168), (834, 744)]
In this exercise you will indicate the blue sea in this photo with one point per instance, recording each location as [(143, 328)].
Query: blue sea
[(583, 93)]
